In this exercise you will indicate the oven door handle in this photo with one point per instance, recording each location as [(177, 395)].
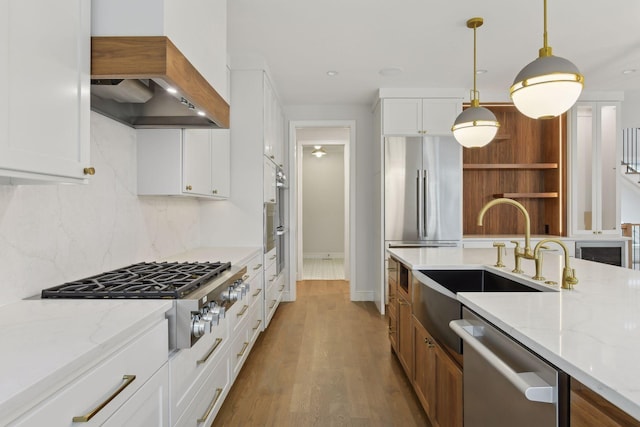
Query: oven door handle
[(529, 384)]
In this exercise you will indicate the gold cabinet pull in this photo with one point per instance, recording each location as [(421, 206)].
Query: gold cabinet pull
[(189, 188), (243, 311), (89, 171), (257, 293), (272, 257), (391, 331), (215, 191), (127, 380), (272, 278), (210, 352), (257, 325), (244, 348), (257, 267), (273, 302), (402, 302), (245, 277), (211, 406)]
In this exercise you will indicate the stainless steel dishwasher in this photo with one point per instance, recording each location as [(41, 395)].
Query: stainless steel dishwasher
[(505, 384)]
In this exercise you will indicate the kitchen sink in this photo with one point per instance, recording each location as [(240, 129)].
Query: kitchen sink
[(435, 303), (475, 281)]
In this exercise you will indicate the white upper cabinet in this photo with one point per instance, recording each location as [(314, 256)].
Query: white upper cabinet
[(184, 162), (273, 125), (419, 116), (269, 181), (198, 29), (44, 80), (595, 156)]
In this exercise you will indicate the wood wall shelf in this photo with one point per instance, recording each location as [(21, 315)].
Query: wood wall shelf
[(550, 195), (513, 166)]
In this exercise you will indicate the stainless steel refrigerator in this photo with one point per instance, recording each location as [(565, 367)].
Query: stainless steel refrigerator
[(422, 191)]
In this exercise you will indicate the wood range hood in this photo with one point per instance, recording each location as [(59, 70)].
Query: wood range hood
[(146, 82)]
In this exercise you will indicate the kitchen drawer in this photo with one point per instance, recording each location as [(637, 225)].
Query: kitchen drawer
[(274, 296), (270, 258), (189, 367), (209, 397), (239, 350), (256, 321), (270, 277), (119, 376), (254, 267)]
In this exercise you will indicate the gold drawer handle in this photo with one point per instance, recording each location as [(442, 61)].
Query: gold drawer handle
[(257, 325), (210, 408), (244, 348), (272, 278), (272, 257), (245, 277), (188, 187), (89, 171), (210, 352), (402, 302), (281, 288), (257, 293), (391, 331), (273, 303), (128, 379), (243, 311), (257, 267)]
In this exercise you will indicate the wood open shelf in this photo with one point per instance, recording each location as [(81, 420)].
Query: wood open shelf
[(527, 162), (551, 195), (514, 166)]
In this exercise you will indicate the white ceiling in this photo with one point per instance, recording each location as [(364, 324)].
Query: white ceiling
[(302, 39)]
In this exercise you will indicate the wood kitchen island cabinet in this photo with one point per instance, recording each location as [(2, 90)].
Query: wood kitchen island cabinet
[(435, 374)]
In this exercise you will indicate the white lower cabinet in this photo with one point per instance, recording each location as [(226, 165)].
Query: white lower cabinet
[(208, 398), (189, 368), (148, 407), (97, 397)]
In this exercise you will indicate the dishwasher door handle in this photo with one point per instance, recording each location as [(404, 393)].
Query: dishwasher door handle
[(529, 384)]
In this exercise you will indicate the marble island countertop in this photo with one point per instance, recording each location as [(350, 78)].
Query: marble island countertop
[(48, 343), (591, 332)]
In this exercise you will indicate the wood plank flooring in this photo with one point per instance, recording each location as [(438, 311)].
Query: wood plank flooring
[(323, 361)]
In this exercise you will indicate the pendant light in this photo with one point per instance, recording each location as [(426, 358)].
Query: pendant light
[(548, 86), (476, 126)]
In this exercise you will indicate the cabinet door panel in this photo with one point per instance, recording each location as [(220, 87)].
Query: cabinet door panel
[(608, 167), (196, 155), (448, 391), (405, 335), (220, 163), (424, 379), (54, 41), (438, 115), (402, 116)]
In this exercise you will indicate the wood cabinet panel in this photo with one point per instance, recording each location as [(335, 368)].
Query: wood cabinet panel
[(405, 341), (448, 391), (589, 409), (424, 370)]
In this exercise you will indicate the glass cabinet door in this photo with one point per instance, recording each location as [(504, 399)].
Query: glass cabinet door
[(594, 159)]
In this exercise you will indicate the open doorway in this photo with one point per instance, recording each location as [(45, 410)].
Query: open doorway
[(322, 188), (322, 205)]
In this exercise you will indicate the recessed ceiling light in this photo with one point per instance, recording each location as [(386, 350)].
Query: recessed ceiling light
[(628, 71), (481, 71), (390, 71), (171, 90), (201, 113), (332, 73)]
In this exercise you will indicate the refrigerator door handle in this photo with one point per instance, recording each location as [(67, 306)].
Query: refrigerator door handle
[(425, 201), (419, 202)]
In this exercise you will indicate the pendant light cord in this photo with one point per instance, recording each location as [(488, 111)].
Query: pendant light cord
[(474, 61), (545, 50)]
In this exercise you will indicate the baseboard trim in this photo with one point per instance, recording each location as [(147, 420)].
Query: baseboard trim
[(323, 255)]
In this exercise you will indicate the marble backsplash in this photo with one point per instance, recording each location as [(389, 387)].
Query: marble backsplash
[(50, 234)]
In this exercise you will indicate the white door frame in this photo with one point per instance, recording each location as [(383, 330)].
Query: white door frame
[(295, 203)]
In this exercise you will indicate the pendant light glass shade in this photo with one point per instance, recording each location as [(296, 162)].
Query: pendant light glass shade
[(548, 86), (476, 126)]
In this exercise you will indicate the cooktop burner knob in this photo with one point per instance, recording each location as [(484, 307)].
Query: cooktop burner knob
[(209, 316), (199, 326), (217, 309)]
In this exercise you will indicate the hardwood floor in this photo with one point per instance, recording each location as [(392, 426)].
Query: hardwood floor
[(323, 361)]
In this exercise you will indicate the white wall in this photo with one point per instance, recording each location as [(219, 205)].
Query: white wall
[(50, 234), (323, 202), (366, 259)]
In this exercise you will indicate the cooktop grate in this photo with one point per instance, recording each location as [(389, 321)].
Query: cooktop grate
[(143, 280)]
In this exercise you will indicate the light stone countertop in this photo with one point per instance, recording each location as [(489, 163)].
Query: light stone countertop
[(592, 332), (48, 343)]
